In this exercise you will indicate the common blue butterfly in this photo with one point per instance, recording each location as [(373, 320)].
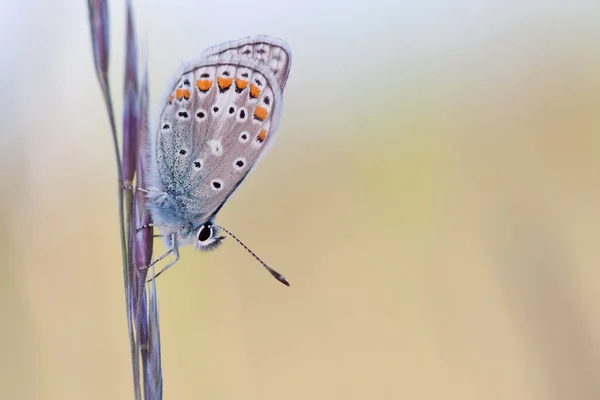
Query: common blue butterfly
[(220, 114)]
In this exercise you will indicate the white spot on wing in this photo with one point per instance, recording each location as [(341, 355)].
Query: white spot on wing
[(242, 114), (201, 114), (261, 52), (246, 50), (216, 184), (216, 147), (244, 137), (276, 58), (239, 163), (183, 114), (231, 111)]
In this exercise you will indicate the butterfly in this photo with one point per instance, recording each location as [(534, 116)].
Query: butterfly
[(220, 114)]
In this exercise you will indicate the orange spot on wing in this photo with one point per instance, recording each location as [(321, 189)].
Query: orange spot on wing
[(241, 84), (254, 91), (179, 94), (171, 97), (224, 83), (260, 113), (262, 135), (186, 94), (204, 84)]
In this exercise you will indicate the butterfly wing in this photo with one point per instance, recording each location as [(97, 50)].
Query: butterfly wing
[(219, 116), (272, 51)]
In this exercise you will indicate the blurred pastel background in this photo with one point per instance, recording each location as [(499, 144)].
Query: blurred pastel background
[(433, 197)]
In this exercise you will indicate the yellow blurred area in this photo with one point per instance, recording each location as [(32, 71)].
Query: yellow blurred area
[(433, 197)]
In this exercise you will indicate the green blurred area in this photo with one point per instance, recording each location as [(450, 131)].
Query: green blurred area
[(432, 197)]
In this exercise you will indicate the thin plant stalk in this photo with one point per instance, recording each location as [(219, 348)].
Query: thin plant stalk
[(129, 158), (147, 312), (99, 29)]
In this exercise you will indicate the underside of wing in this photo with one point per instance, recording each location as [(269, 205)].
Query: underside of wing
[(220, 114)]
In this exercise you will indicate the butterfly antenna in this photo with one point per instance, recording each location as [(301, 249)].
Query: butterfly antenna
[(275, 274)]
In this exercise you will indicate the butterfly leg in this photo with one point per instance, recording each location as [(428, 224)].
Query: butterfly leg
[(146, 226), (134, 188), (159, 258), (175, 250), (157, 196)]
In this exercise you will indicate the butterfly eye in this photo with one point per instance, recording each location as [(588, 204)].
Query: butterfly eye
[(205, 232)]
